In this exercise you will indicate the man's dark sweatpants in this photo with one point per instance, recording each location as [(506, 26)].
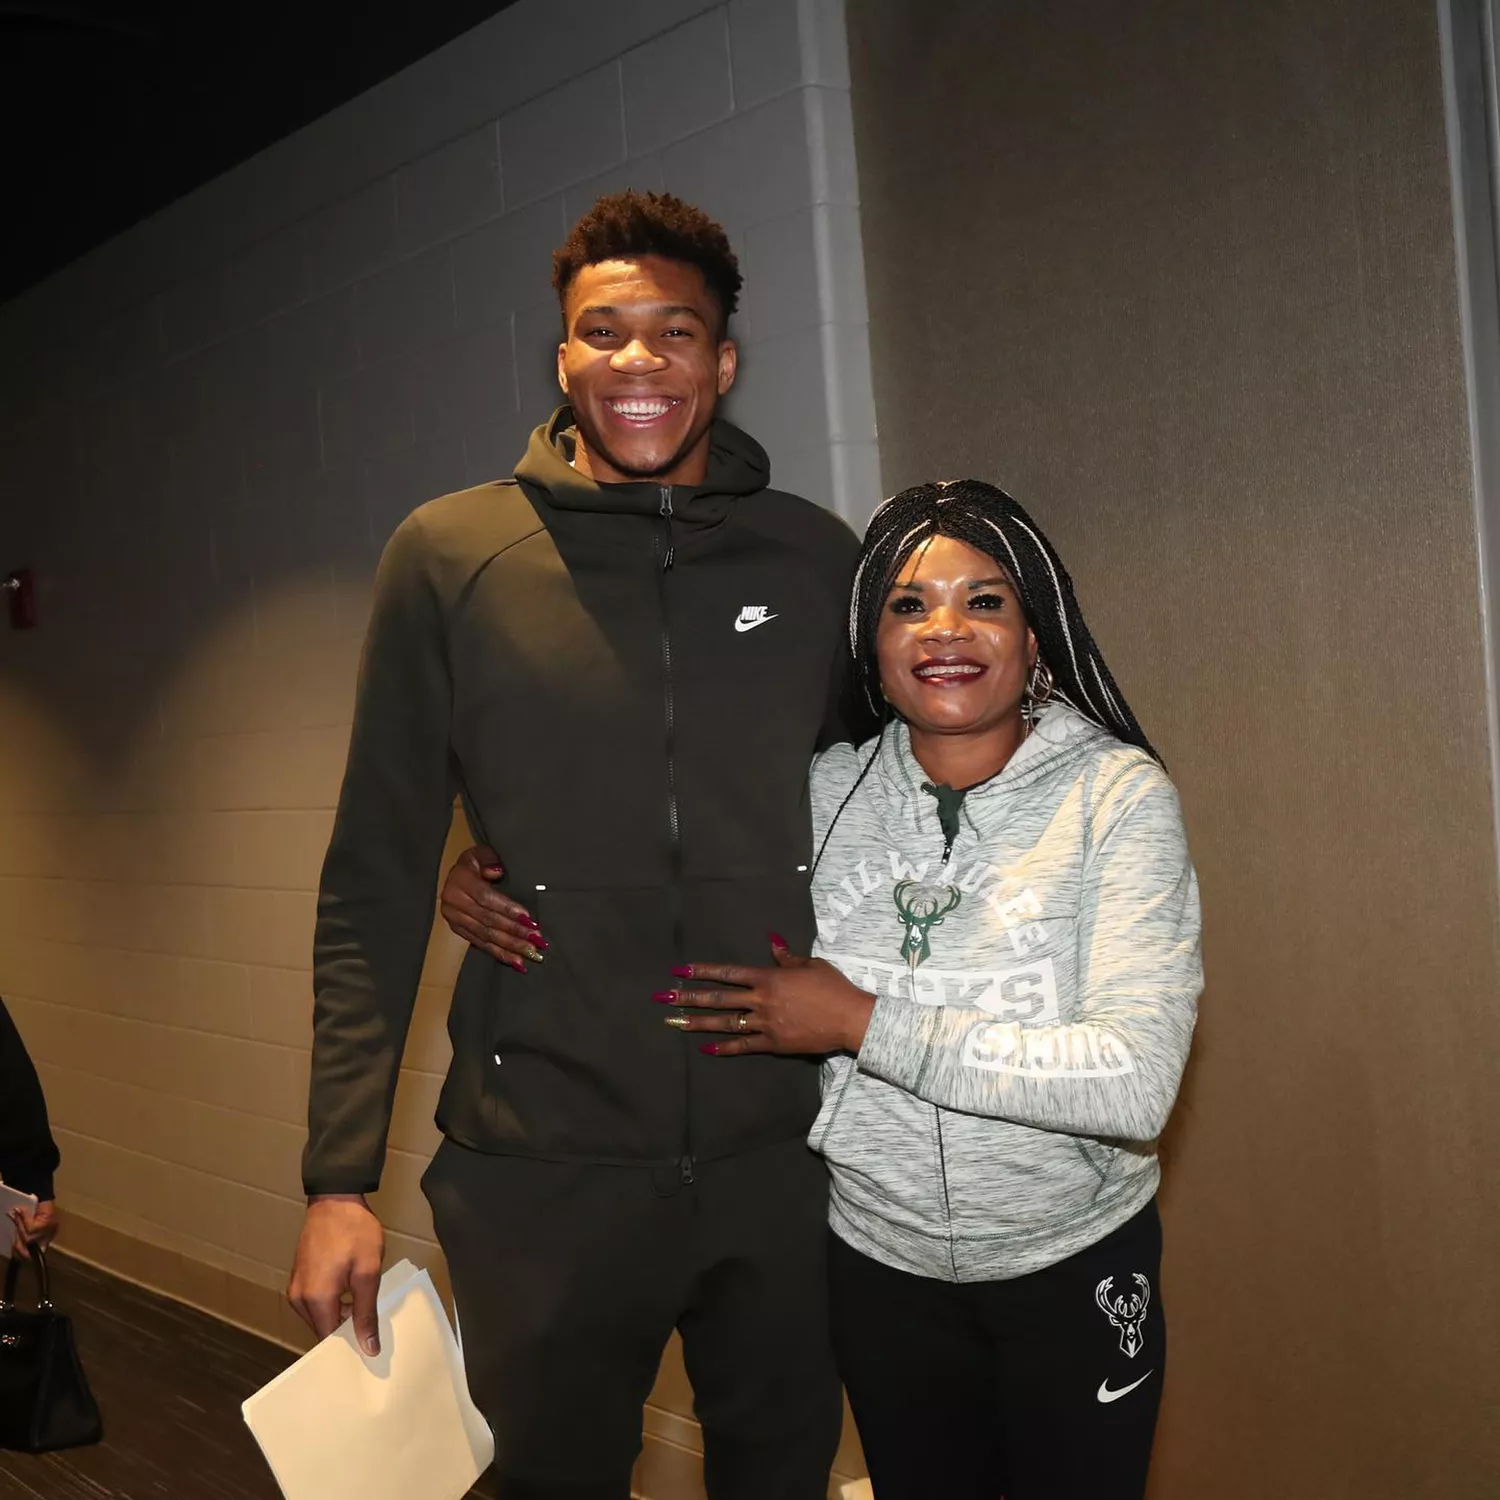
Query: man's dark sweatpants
[(569, 1278)]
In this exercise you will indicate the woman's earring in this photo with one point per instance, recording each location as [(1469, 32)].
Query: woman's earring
[(1038, 692)]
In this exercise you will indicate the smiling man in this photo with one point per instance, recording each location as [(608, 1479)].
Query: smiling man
[(622, 659), (646, 359)]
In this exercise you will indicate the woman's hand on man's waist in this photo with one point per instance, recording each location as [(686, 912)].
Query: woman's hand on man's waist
[(799, 1005), (486, 918)]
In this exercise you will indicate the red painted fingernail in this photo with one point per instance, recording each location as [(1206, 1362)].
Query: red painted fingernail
[(518, 966), (682, 971), (538, 941), (665, 997), (527, 920), (777, 941), (712, 1048)]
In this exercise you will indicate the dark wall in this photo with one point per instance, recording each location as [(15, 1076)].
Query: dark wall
[(112, 109), (1181, 276)]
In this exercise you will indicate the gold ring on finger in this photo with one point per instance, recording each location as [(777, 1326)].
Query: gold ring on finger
[(744, 1022)]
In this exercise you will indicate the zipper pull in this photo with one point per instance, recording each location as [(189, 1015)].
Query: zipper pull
[(666, 515), (687, 1171)]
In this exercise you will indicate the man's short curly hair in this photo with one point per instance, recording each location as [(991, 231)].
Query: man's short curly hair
[(622, 225)]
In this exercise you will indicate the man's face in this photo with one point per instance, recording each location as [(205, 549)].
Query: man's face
[(643, 365)]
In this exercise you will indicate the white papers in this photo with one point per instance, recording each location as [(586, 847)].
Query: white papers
[(338, 1426), (10, 1198)]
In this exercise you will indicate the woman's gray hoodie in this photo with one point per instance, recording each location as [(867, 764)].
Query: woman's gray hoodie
[(1027, 1043)]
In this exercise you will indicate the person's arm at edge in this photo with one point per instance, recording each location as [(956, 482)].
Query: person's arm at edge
[(28, 1153), (847, 717)]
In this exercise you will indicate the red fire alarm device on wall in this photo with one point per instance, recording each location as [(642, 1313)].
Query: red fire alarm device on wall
[(20, 586)]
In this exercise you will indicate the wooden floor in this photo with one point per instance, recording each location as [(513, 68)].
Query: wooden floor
[(169, 1381)]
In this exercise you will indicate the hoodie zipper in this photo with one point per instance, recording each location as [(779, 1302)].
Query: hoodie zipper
[(665, 555), (937, 1112)]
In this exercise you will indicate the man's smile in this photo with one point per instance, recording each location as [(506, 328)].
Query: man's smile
[(641, 411)]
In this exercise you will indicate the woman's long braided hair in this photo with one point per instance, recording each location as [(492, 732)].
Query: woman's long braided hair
[(991, 522), (987, 519)]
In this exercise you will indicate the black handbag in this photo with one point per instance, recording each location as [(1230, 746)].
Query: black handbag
[(45, 1401)]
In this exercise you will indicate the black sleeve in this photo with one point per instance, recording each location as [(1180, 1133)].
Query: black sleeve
[(848, 717), (379, 886), (28, 1154)]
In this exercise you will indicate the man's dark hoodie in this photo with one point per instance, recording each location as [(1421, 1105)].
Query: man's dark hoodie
[(625, 684)]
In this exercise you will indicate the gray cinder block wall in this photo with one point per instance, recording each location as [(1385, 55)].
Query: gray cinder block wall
[(208, 427)]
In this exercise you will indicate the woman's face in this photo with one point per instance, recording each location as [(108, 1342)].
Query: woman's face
[(953, 646)]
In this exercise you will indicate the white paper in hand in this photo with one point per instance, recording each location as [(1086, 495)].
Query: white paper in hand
[(11, 1198), (338, 1426)]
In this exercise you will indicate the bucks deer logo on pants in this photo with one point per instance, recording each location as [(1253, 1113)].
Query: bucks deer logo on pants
[(922, 908), (1126, 1312)]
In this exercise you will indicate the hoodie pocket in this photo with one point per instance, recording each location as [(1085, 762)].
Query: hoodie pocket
[(882, 1149), (837, 1078), (1097, 1155), (582, 1065), (1005, 1178)]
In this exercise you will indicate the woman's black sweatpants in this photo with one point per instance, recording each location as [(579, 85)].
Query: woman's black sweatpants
[(1045, 1387)]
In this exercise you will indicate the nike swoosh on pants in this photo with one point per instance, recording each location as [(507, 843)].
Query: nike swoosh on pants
[(1106, 1395)]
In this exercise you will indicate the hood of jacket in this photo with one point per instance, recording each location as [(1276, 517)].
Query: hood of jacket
[(1062, 741), (737, 466)]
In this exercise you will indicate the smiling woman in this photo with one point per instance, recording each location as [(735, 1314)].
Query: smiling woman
[(955, 656), (1004, 984)]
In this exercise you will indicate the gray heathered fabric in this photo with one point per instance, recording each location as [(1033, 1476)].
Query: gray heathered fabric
[(1010, 1119)]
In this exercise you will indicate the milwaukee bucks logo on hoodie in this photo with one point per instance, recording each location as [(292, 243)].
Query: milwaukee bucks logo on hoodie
[(922, 907)]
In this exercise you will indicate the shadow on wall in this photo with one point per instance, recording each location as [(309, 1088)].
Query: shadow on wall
[(172, 736)]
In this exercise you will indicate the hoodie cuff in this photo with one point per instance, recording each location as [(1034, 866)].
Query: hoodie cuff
[(340, 1187), (33, 1173), (898, 1040)]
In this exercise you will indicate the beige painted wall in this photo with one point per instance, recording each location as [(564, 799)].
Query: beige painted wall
[(1181, 276)]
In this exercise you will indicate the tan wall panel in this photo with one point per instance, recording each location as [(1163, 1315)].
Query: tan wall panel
[(1181, 277)]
